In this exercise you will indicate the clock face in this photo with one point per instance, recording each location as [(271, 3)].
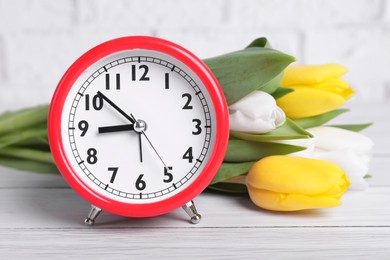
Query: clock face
[(138, 126)]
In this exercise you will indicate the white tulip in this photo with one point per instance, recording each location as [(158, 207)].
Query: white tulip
[(350, 150), (256, 113)]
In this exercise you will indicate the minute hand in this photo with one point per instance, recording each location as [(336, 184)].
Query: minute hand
[(123, 113)]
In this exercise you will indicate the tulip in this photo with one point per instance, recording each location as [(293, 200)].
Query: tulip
[(290, 183), (256, 113), (317, 90), (350, 150)]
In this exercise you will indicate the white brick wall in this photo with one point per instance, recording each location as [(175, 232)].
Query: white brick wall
[(39, 39)]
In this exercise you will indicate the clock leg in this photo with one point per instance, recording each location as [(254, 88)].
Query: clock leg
[(92, 215), (190, 209)]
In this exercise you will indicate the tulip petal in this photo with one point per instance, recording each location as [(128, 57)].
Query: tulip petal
[(298, 175), (290, 202), (333, 85), (307, 102), (332, 138), (352, 165), (337, 86), (310, 74), (256, 113)]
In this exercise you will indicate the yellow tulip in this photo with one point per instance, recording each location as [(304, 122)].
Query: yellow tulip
[(317, 90), (289, 183)]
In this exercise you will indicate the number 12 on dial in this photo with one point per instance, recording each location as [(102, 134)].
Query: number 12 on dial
[(138, 126)]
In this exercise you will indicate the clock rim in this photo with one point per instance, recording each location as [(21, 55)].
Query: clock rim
[(221, 132)]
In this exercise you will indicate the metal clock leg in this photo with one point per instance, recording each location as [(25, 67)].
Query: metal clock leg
[(92, 215), (190, 209)]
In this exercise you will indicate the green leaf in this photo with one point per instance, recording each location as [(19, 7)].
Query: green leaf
[(245, 151), (31, 135), (240, 73), (260, 42), (229, 187), (23, 119), (353, 127), (229, 170), (27, 165), (281, 91), (272, 85), (27, 154), (41, 141), (289, 130), (320, 119)]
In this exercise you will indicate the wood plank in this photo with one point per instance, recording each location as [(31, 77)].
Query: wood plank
[(62, 208), (12, 178), (202, 243)]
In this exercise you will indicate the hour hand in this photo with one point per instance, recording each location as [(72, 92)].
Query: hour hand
[(115, 128)]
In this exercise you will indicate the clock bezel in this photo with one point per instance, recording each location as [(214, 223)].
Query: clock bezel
[(72, 176)]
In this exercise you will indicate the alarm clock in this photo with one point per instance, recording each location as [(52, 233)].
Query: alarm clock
[(138, 126)]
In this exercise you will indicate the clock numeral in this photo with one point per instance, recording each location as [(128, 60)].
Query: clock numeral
[(97, 102), (139, 183), (144, 76), (117, 81), (92, 158), (83, 126), (197, 126), (188, 101), (188, 155), (168, 174), (114, 170)]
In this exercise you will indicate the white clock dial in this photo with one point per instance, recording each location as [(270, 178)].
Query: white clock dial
[(160, 154)]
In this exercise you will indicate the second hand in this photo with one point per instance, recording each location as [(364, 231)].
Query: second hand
[(165, 166), (147, 139)]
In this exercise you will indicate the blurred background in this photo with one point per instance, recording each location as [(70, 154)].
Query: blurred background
[(40, 39)]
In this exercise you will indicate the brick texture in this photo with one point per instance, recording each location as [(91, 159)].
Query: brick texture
[(39, 39)]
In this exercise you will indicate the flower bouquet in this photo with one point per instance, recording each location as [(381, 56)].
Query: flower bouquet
[(280, 151)]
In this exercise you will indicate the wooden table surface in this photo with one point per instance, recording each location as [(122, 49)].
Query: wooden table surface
[(40, 217)]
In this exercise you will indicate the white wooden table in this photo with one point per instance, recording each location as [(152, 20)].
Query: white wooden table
[(40, 217)]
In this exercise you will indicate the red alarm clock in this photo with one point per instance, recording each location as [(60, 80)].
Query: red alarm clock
[(138, 126)]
